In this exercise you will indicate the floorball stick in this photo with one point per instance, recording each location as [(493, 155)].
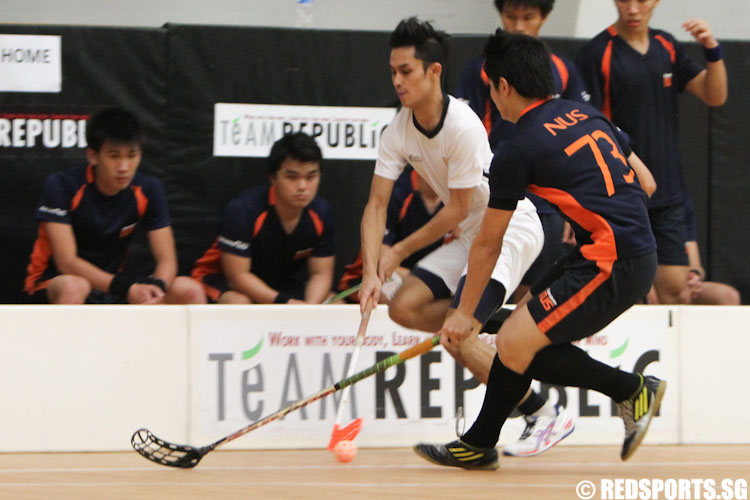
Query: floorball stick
[(349, 432), (343, 295), (184, 456)]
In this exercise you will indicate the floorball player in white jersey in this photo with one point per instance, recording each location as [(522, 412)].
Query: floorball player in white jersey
[(446, 143)]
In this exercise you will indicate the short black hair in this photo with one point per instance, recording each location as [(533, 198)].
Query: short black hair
[(430, 45), (545, 6), (297, 145), (116, 125), (522, 60)]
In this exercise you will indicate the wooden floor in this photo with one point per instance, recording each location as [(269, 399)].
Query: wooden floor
[(375, 473)]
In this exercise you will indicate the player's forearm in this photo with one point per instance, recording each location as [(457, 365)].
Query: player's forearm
[(166, 271), (372, 230), (318, 287), (715, 84), (447, 219)]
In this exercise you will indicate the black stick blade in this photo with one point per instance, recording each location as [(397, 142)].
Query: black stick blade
[(166, 453)]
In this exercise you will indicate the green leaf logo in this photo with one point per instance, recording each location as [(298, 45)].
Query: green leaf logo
[(253, 351), (616, 353)]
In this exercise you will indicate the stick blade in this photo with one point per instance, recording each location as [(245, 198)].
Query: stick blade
[(347, 433), (166, 453)]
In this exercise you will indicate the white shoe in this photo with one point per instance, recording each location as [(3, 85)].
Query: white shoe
[(541, 433)]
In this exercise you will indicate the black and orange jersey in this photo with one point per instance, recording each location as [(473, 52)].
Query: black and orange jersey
[(103, 225), (406, 214), (251, 228), (638, 92), (572, 156), (475, 88)]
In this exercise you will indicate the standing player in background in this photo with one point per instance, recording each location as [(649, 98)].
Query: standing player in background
[(413, 203), (581, 168), (276, 244), (634, 74), (445, 142), (87, 217), (526, 17)]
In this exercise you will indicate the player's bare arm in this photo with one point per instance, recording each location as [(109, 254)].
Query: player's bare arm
[(161, 242), (372, 231), (710, 85), (240, 279), (62, 243), (646, 179), (319, 285), (482, 258), (444, 221)]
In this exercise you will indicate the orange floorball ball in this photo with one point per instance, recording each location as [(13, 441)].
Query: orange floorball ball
[(345, 451)]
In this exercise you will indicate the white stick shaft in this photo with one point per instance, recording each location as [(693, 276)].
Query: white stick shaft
[(358, 343)]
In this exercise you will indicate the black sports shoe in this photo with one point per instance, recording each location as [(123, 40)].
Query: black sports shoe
[(459, 454), (637, 411)]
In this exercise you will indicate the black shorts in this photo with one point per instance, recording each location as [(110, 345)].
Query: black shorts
[(668, 225), (492, 299), (552, 251), (578, 297)]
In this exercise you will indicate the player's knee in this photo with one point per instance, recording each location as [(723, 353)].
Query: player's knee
[(186, 290), (69, 289), (729, 297), (510, 353), (400, 312)]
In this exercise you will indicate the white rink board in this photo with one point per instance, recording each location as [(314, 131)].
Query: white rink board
[(306, 349), (84, 378)]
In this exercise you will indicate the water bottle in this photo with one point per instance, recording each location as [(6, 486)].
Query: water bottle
[(304, 14)]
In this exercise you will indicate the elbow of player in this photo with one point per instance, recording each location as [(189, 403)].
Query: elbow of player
[(716, 99)]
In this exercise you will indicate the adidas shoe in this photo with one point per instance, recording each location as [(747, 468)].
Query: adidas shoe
[(637, 411), (459, 454), (541, 433)]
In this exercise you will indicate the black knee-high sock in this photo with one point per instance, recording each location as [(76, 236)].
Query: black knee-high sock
[(505, 388), (568, 365), (532, 404)]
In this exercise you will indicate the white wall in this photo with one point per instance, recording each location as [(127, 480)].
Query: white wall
[(570, 18), (466, 16)]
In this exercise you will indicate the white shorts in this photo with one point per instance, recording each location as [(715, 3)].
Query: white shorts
[(522, 244)]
